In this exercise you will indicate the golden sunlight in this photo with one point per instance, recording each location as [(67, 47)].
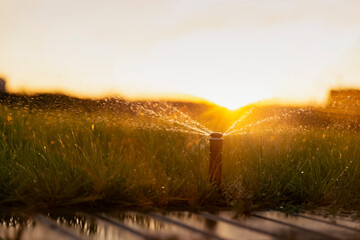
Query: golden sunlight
[(230, 53)]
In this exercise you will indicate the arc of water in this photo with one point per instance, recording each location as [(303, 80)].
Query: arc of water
[(268, 119), (253, 125), (198, 127), (190, 127), (188, 118), (164, 111), (242, 118)]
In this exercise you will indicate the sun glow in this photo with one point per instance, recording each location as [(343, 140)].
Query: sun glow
[(230, 53)]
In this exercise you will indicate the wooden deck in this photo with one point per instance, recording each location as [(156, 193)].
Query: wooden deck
[(177, 225)]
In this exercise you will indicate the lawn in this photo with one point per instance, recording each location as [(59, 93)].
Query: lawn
[(62, 158)]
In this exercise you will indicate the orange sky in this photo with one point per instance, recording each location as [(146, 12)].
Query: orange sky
[(229, 52)]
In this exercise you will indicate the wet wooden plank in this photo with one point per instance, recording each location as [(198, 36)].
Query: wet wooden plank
[(63, 232), (179, 225), (333, 221), (320, 229), (138, 233), (220, 228), (255, 229), (207, 234)]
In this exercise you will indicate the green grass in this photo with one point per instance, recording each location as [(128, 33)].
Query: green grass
[(106, 159)]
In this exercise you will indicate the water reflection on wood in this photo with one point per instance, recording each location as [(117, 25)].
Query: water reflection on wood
[(175, 225)]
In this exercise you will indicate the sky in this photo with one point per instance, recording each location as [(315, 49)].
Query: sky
[(230, 52)]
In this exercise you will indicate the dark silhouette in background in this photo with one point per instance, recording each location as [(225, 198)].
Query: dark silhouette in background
[(342, 108), (344, 99), (2, 86)]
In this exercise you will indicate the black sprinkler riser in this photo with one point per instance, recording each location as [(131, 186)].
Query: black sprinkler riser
[(216, 144), (215, 165)]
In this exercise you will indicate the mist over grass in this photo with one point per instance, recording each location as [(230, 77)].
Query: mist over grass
[(60, 158)]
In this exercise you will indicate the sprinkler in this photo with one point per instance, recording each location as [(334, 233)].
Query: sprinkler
[(215, 167)]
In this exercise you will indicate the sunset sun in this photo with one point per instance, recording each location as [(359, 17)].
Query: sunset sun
[(231, 54)]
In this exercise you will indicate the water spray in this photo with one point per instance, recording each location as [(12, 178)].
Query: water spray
[(215, 166)]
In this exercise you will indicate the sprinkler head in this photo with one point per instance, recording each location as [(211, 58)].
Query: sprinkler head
[(216, 142), (216, 135)]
